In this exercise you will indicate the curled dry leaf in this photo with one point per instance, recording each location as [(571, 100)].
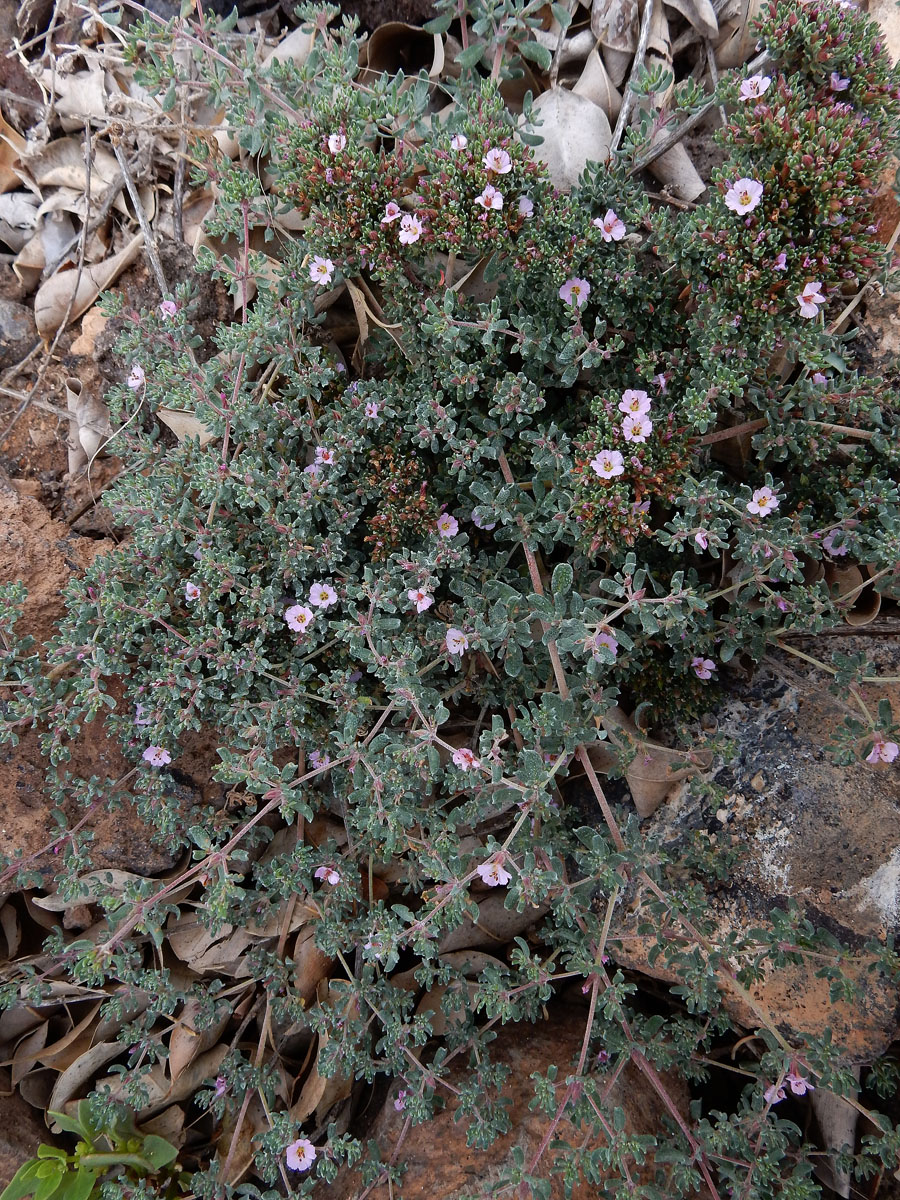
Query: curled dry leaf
[(496, 926), (700, 14), (72, 292), (162, 1091), (78, 1078), (11, 146), (18, 217), (311, 965), (187, 1041), (76, 96), (652, 774), (574, 49), (53, 234), (294, 48), (837, 1121), (185, 425), (202, 950), (595, 84), (614, 23), (61, 164), (319, 1094), (737, 38), (396, 46), (575, 132), (235, 1144)]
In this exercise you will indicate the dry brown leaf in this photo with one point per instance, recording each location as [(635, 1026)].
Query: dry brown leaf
[(204, 951), (595, 84), (93, 883), (54, 297), (185, 425), (240, 1152), (53, 234), (396, 46), (737, 38), (76, 96), (92, 325), (652, 774), (464, 993), (27, 1051), (12, 929), (614, 23), (18, 217), (311, 965), (294, 48), (77, 1078), (187, 1042), (11, 146), (169, 1124), (61, 164), (575, 132), (700, 14), (320, 1094), (496, 925)]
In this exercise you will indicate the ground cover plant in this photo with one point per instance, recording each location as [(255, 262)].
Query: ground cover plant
[(413, 575)]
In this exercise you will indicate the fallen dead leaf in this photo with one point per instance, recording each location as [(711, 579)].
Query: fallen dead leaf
[(67, 292)]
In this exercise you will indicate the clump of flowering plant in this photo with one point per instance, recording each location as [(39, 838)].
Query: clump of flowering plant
[(412, 567)]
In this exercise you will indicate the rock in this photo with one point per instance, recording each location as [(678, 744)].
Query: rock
[(440, 1164), (18, 332), (810, 834), (21, 1132)]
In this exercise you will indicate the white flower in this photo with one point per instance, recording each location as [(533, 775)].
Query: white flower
[(298, 617), (411, 229), (754, 86), (456, 641), (493, 874), (420, 599), (459, 141), (324, 456), (636, 428), (810, 299), (465, 759), (320, 269), (608, 463), (136, 378), (322, 595), (300, 1155), (490, 198), (392, 211), (526, 206), (764, 501), (156, 756), (497, 161), (329, 874), (372, 410), (634, 401), (612, 228), (336, 143), (319, 758)]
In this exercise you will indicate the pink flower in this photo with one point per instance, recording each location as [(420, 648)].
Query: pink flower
[(799, 1084), (493, 874), (703, 667), (336, 143), (828, 544), (701, 539), (322, 595), (487, 526), (320, 269), (156, 756), (139, 718), (221, 1086), (881, 751), (661, 382), (324, 456), (575, 291), (298, 617), (744, 195), (526, 206), (459, 141), (319, 759), (392, 211), (608, 463), (400, 1100), (456, 641), (634, 401), (168, 309), (780, 263), (191, 591), (764, 501), (411, 228), (447, 526), (465, 759), (497, 161), (490, 198), (838, 84), (773, 1094), (420, 599), (818, 378), (372, 410), (312, 469), (603, 640), (300, 1155), (636, 428), (754, 86), (136, 378), (612, 228), (329, 874), (810, 299)]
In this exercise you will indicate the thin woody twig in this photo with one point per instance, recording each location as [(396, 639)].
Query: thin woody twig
[(625, 110), (149, 238)]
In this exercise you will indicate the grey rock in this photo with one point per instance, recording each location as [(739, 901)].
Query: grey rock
[(18, 332)]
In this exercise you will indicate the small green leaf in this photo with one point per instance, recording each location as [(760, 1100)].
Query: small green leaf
[(470, 57), (562, 579), (439, 24), (22, 1183), (68, 1124), (158, 1151), (537, 54), (78, 1186), (562, 15)]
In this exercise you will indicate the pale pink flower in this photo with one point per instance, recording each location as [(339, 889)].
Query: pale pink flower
[(139, 718), (400, 1100), (137, 377), (634, 401), (608, 463), (456, 641), (744, 195), (498, 161), (319, 759), (298, 617), (636, 428), (490, 198), (447, 525), (526, 206), (336, 143), (191, 591), (612, 227), (575, 291), (411, 228), (487, 526), (493, 874), (810, 299), (703, 667), (837, 83), (168, 309), (754, 86), (322, 595), (372, 410), (465, 759), (392, 211), (420, 599), (221, 1086), (321, 269), (603, 639), (156, 756), (701, 539), (764, 501), (459, 141), (829, 547), (882, 751), (661, 382), (329, 874), (780, 263), (324, 456), (773, 1094), (800, 1085), (818, 378), (312, 469), (300, 1155)]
